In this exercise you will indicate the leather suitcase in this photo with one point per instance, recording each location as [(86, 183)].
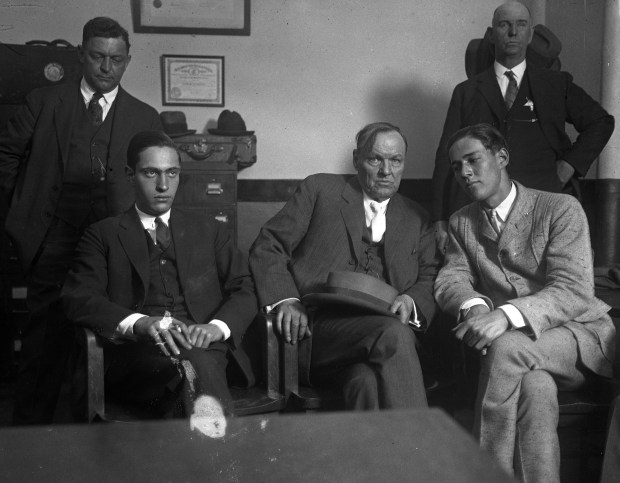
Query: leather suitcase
[(239, 152)]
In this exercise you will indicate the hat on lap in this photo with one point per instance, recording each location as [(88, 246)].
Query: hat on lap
[(356, 290)]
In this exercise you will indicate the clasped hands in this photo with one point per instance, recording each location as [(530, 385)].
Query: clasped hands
[(292, 319), (177, 333), (481, 326)]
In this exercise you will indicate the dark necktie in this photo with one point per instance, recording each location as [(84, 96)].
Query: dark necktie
[(162, 233), (95, 110), (511, 90)]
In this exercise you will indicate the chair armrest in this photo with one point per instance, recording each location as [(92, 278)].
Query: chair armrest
[(94, 375), (280, 361)]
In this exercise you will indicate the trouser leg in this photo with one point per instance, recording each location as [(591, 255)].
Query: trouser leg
[(509, 359), (386, 346), (537, 449), (138, 372)]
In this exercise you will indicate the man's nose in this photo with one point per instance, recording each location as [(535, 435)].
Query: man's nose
[(512, 30), (162, 182), (106, 64), (466, 171), (386, 167)]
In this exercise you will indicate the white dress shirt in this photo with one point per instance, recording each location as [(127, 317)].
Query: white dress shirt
[(502, 80), (105, 102)]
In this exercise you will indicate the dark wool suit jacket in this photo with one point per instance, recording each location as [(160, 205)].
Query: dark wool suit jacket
[(110, 276), (34, 148), (320, 230), (557, 100), (541, 264)]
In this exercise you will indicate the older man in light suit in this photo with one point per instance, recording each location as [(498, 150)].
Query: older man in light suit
[(519, 276), (328, 225)]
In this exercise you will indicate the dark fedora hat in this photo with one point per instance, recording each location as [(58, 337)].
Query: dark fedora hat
[(175, 124), (230, 123), (357, 290)]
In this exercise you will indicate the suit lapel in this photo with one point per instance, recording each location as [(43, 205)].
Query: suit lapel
[(540, 89), (120, 128), (353, 213), (64, 114), (489, 89), (182, 237), (397, 229), (133, 240), (520, 214)]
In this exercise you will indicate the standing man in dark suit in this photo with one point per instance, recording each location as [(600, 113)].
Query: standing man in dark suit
[(162, 286), (530, 107), (329, 225), (62, 160), (519, 277)]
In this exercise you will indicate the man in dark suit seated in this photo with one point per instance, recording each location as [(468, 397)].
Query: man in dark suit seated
[(164, 288), (355, 224), (530, 106), (518, 275), (62, 158)]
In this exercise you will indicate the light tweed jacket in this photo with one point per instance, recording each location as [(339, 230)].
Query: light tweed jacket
[(541, 263)]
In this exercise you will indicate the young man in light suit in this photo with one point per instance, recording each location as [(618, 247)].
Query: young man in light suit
[(518, 275)]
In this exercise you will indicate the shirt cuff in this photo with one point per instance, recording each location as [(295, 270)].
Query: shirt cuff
[(125, 328), (414, 322), (514, 316), (269, 308), (222, 326), (468, 304)]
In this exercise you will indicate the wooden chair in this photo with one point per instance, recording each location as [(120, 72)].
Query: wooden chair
[(267, 396)]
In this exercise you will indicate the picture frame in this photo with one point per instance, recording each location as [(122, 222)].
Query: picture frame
[(192, 80), (194, 17)]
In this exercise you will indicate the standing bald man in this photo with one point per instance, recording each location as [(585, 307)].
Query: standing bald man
[(530, 107)]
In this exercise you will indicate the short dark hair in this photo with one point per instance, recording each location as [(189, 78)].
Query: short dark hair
[(488, 135), (144, 140), (366, 137), (105, 27)]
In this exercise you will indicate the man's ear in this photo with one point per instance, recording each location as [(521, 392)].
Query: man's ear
[(130, 175), (503, 157), (355, 160), (80, 52)]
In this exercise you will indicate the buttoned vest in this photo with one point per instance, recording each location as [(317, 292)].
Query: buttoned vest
[(372, 259), (164, 291), (83, 195)]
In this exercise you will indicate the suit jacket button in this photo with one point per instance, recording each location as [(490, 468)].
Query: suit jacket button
[(503, 253)]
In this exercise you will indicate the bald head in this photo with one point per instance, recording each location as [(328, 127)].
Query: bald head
[(512, 33)]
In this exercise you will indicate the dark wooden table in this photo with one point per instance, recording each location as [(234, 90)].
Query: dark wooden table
[(387, 446)]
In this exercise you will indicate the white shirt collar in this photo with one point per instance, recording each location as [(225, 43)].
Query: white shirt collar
[(503, 209), (148, 221), (368, 212), (87, 92), (518, 71)]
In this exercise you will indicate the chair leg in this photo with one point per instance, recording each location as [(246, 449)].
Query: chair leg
[(94, 377)]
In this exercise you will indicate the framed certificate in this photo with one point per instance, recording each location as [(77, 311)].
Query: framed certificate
[(192, 80), (195, 17)]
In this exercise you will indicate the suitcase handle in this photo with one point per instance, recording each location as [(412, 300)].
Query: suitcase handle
[(53, 43), (201, 151)]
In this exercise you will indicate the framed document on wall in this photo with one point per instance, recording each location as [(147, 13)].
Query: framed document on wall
[(192, 80), (196, 17)]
